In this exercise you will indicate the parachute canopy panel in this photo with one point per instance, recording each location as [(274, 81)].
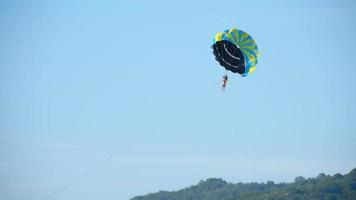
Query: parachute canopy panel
[(236, 51)]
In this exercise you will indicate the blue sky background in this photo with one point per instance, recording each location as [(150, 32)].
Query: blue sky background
[(81, 79)]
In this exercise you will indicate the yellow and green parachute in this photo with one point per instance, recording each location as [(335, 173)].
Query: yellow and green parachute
[(236, 51)]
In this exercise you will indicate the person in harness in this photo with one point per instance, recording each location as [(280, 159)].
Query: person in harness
[(224, 82)]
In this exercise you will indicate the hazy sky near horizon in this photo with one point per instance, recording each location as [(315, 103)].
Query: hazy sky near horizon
[(79, 80)]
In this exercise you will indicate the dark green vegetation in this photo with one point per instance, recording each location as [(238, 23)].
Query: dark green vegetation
[(322, 187)]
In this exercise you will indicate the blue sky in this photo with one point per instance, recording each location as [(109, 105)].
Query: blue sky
[(79, 80)]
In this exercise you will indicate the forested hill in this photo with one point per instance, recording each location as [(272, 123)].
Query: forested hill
[(323, 187)]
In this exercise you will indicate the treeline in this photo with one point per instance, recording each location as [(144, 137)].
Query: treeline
[(322, 187)]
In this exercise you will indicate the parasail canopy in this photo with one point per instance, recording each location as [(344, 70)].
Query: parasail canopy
[(236, 51)]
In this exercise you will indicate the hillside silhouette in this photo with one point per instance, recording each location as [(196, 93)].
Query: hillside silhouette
[(322, 187)]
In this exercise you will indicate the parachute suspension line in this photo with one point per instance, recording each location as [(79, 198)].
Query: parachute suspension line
[(230, 54), (128, 145)]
